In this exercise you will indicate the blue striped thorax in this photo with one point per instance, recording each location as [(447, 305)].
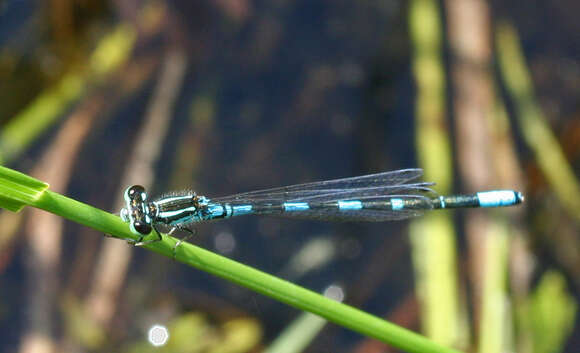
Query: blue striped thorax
[(181, 209), (171, 210)]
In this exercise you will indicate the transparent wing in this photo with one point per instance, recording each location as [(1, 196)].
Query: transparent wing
[(377, 192), (387, 183)]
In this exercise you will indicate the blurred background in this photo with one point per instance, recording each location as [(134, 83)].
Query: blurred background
[(228, 96)]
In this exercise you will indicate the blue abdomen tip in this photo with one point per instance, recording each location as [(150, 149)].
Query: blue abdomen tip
[(499, 198)]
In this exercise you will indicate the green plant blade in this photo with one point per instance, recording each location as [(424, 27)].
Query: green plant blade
[(18, 190)]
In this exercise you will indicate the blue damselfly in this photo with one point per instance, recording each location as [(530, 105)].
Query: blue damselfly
[(377, 197)]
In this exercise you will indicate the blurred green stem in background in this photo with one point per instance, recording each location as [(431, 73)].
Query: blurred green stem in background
[(495, 331), (23, 129), (298, 335), (553, 312), (433, 236), (535, 129), (18, 190)]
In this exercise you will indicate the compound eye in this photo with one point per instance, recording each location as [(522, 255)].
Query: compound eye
[(135, 190), (142, 228)]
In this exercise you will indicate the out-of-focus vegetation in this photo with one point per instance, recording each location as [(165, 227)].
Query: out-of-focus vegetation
[(229, 96)]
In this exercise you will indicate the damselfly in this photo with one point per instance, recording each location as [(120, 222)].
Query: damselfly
[(370, 198)]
